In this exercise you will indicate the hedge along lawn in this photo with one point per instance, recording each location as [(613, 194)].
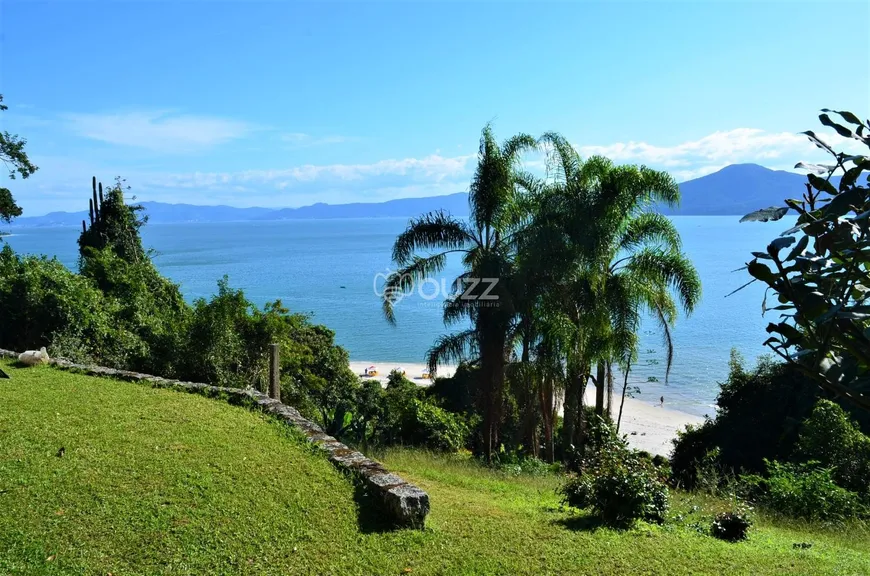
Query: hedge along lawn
[(161, 482)]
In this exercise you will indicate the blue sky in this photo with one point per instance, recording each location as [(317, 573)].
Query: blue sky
[(286, 104)]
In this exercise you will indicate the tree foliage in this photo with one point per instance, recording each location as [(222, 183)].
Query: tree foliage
[(486, 245), (601, 259), (114, 224), (819, 271), (761, 414), (580, 255), (15, 160)]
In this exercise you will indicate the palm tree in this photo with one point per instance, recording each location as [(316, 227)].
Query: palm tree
[(619, 260), (486, 244)]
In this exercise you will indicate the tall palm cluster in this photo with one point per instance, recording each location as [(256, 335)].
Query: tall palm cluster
[(559, 270)]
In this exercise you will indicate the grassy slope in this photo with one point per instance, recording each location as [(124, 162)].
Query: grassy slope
[(159, 482)]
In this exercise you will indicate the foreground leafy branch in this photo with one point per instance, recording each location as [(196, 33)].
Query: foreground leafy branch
[(819, 269)]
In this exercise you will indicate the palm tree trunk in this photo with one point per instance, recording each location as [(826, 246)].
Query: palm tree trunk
[(624, 388), (570, 411), (530, 414), (546, 397), (580, 432), (599, 388), (609, 390), (492, 366)]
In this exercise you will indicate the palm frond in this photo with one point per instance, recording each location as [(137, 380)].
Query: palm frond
[(516, 145), (649, 228), (432, 231), (404, 280), (668, 268), (563, 161), (666, 340), (621, 301), (452, 349)]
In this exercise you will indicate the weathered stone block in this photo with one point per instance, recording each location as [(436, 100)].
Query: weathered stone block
[(385, 481), (408, 505)]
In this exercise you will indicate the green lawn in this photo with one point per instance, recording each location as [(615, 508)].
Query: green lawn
[(161, 482)]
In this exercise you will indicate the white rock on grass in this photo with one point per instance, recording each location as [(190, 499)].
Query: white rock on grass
[(33, 357)]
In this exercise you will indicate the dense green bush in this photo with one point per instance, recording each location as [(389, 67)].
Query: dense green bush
[(731, 526), (40, 298), (456, 393), (436, 428), (618, 484), (829, 437), (114, 224), (147, 307), (759, 417), (803, 491), (409, 417)]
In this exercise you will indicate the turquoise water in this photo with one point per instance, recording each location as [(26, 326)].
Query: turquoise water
[(330, 268)]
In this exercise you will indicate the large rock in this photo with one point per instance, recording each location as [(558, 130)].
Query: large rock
[(407, 504), (34, 357)]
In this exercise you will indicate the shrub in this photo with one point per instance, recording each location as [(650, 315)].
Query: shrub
[(802, 491), (731, 526), (457, 392), (437, 429), (618, 485), (407, 416), (146, 305), (519, 462), (829, 437), (759, 417), (40, 298)]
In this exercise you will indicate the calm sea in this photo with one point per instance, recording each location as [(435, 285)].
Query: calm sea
[(332, 269)]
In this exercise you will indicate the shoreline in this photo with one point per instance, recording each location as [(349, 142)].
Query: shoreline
[(647, 426)]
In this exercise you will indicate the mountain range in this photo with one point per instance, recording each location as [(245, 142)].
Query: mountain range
[(734, 190)]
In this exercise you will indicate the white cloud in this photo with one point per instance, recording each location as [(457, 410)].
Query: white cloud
[(159, 131), (708, 154), (432, 169)]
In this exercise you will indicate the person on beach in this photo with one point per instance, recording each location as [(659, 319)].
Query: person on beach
[(662, 400)]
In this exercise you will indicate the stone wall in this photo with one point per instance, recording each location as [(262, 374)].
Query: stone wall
[(405, 504)]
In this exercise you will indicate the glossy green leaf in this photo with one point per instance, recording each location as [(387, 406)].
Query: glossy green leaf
[(779, 243), (855, 313), (845, 201), (817, 141), (761, 272), (821, 184), (766, 214), (787, 330), (846, 115), (850, 177), (817, 168), (841, 130), (799, 248)]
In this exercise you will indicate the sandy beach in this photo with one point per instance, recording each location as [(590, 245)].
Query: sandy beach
[(648, 426)]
